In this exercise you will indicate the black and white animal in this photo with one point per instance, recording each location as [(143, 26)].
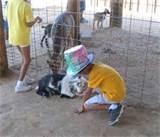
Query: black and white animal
[(61, 33), (70, 87), (100, 17), (49, 85), (46, 35), (60, 84)]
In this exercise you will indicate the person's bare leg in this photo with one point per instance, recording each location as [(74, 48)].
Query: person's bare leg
[(96, 107), (19, 49), (93, 107), (25, 51)]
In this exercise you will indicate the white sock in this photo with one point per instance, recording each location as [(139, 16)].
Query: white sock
[(19, 83), (113, 106)]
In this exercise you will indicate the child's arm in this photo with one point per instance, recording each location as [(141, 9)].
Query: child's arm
[(37, 19), (86, 96)]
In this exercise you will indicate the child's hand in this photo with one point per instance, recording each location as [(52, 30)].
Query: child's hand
[(80, 94), (38, 19)]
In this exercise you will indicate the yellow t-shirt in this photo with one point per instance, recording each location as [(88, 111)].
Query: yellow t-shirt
[(18, 13), (109, 81)]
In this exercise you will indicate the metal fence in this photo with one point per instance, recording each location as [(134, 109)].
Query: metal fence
[(134, 49)]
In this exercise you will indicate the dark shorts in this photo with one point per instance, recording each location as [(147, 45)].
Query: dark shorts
[(82, 6)]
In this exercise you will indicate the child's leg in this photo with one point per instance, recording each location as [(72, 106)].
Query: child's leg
[(96, 107), (97, 102), (100, 102)]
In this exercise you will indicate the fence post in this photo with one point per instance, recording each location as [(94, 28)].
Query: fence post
[(74, 6), (116, 13), (3, 54)]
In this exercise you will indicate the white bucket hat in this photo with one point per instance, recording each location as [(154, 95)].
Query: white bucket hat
[(77, 58)]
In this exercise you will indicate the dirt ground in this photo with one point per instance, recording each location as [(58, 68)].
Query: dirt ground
[(136, 56), (29, 115)]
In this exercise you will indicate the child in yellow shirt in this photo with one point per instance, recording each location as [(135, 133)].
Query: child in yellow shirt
[(100, 76), (20, 20)]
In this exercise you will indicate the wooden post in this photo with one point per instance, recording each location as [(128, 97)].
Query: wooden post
[(116, 13), (3, 54), (73, 6)]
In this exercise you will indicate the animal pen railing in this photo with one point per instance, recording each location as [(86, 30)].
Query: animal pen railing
[(133, 49)]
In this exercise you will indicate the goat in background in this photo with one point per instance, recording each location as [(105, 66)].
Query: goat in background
[(100, 17)]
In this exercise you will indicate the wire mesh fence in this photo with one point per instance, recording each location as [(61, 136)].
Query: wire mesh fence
[(133, 49)]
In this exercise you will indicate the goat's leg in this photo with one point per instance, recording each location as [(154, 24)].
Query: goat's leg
[(42, 40), (98, 24), (93, 24), (101, 24), (46, 42)]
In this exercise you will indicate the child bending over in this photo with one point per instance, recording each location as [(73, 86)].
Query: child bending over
[(100, 76)]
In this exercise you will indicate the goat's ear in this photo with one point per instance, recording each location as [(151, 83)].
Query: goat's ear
[(108, 11)]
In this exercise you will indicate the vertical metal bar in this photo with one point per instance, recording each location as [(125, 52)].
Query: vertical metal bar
[(130, 5), (105, 2), (47, 16), (125, 4), (91, 2), (138, 3), (35, 48), (61, 6), (94, 6), (127, 54), (155, 6), (146, 55), (147, 6)]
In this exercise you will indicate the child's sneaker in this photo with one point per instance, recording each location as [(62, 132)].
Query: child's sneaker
[(116, 114), (22, 88)]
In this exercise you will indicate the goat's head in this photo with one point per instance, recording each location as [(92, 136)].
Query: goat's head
[(106, 11)]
